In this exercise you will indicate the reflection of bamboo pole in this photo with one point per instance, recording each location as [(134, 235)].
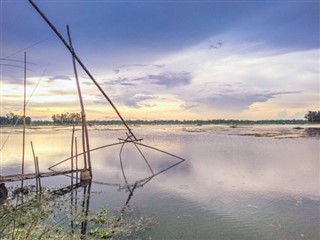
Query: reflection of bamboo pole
[(85, 139), (85, 207), (72, 212), (24, 116)]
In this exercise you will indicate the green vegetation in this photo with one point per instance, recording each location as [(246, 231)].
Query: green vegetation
[(46, 216), (313, 116)]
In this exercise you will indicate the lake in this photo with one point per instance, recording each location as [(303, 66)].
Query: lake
[(250, 182)]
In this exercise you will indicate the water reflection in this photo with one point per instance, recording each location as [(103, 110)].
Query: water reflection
[(231, 187), (79, 193), (119, 221)]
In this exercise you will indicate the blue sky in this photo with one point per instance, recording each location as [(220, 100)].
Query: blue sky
[(173, 59)]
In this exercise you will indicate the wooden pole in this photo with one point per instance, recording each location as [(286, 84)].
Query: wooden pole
[(72, 141), (82, 65), (24, 115), (76, 146), (35, 165), (83, 114), (77, 177), (83, 144), (38, 174)]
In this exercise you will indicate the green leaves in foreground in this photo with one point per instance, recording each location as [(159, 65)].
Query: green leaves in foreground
[(48, 217)]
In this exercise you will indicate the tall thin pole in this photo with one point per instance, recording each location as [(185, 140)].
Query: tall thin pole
[(82, 65), (72, 142), (83, 114), (24, 116)]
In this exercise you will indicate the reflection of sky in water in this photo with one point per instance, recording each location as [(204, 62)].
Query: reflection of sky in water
[(229, 187)]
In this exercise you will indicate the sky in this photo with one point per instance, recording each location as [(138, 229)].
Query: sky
[(164, 59)]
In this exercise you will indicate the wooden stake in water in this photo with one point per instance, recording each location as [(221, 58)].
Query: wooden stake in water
[(76, 148), (35, 165), (36, 169), (72, 141), (24, 116), (38, 174)]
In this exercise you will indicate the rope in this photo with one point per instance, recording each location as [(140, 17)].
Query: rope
[(31, 46)]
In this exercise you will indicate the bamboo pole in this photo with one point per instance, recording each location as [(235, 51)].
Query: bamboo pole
[(77, 177), (88, 147), (71, 160), (24, 115), (35, 165), (81, 64), (85, 139), (83, 144), (38, 174), (76, 146)]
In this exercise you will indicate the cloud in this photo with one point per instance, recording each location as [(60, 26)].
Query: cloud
[(118, 81), (137, 66), (60, 77), (188, 106), (169, 79), (147, 105), (237, 100), (135, 100)]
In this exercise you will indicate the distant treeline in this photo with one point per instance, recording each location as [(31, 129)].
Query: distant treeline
[(75, 119), (181, 122), (12, 119)]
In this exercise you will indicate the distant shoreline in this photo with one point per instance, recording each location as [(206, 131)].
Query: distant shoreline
[(250, 130), (177, 122)]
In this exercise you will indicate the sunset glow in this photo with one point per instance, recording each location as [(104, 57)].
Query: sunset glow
[(246, 60)]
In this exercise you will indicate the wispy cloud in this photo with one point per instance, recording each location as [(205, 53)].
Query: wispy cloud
[(118, 81), (188, 106), (240, 100), (136, 65), (60, 77)]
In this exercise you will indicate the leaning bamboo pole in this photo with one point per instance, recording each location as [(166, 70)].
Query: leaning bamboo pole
[(85, 135), (82, 65)]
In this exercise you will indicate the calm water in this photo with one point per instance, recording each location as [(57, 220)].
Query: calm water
[(229, 187)]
